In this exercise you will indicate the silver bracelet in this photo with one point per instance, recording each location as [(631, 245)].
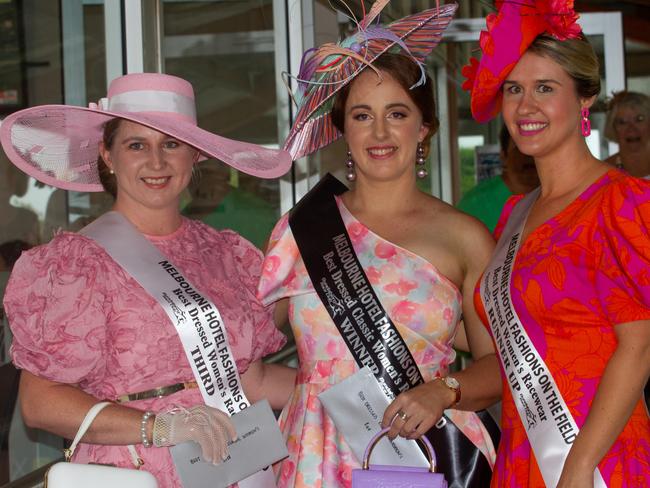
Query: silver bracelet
[(143, 428)]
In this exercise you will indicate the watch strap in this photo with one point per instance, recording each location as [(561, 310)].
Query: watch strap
[(445, 381)]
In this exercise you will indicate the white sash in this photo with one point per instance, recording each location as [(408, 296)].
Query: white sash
[(549, 424), (196, 319)]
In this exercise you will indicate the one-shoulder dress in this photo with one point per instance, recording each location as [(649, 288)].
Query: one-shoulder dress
[(425, 307)]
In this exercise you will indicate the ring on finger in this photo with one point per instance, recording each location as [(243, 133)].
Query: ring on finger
[(402, 415)]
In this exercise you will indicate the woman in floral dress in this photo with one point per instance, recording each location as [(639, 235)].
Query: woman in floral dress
[(422, 258)]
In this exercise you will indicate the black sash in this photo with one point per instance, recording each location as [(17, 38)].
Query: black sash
[(368, 331)]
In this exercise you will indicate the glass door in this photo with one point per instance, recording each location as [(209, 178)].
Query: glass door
[(52, 53), (229, 52)]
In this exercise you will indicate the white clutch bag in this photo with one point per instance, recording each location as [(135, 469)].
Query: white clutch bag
[(66, 474)]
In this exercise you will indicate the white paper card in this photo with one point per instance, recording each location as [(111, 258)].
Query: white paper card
[(356, 406), (258, 445)]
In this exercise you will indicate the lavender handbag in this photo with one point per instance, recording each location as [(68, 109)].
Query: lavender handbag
[(373, 476)]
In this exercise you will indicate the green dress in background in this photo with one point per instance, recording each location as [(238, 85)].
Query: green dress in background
[(486, 200)]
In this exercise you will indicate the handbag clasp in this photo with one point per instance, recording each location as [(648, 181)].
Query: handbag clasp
[(431, 457)]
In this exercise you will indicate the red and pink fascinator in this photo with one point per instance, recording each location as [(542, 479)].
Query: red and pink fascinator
[(509, 33), (59, 144), (328, 68)]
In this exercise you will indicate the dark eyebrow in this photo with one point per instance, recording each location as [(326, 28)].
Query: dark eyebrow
[(363, 107), (398, 104), (390, 105), (549, 81)]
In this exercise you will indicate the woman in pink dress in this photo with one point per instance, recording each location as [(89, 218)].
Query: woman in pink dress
[(421, 256), (84, 329), (567, 293)]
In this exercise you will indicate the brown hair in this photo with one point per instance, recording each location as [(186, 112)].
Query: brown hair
[(576, 57), (504, 139), (407, 74), (108, 180)]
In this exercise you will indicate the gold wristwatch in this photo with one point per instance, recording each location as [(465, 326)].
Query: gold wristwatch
[(453, 384)]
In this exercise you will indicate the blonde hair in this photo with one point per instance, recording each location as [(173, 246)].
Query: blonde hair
[(624, 99), (577, 58)]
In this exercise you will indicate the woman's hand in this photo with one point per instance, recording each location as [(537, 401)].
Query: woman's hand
[(209, 427), (415, 411), (575, 477)]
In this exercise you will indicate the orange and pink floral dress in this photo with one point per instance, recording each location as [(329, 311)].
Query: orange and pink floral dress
[(574, 278), (424, 305)]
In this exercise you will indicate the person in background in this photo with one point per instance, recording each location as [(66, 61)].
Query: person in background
[(567, 292), (628, 124), (85, 330), (519, 175), (215, 200)]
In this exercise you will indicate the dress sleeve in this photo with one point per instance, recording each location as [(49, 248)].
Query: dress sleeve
[(55, 306), (622, 241), (266, 338), (505, 215), (283, 271)]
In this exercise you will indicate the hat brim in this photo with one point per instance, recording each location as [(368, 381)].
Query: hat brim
[(313, 127), (59, 145), (509, 34)]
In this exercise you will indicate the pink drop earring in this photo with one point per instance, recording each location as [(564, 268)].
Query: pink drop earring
[(586, 124)]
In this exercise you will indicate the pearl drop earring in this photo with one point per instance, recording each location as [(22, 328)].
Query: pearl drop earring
[(351, 174), (421, 171)]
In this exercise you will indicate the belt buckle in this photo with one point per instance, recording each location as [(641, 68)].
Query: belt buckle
[(159, 392), (162, 391)]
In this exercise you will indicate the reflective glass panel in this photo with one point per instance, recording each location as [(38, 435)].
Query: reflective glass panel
[(51, 53), (226, 50)]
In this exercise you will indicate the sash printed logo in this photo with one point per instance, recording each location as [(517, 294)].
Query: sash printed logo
[(334, 303)]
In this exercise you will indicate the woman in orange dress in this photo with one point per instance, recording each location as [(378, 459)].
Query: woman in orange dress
[(567, 294)]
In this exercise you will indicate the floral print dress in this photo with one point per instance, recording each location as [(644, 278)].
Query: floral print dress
[(574, 278), (78, 318), (424, 305)]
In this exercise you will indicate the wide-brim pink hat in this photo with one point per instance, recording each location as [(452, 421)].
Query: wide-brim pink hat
[(509, 34), (59, 144)]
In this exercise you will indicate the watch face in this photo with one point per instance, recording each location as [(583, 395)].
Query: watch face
[(452, 382)]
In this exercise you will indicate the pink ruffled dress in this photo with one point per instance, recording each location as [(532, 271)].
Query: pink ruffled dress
[(424, 305), (79, 319)]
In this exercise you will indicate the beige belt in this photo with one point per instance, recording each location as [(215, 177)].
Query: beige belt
[(159, 392)]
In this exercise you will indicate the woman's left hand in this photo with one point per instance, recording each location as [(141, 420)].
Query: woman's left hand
[(573, 477), (415, 411)]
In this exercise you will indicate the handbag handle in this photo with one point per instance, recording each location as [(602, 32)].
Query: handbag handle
[(85, 425), (431, 454)]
